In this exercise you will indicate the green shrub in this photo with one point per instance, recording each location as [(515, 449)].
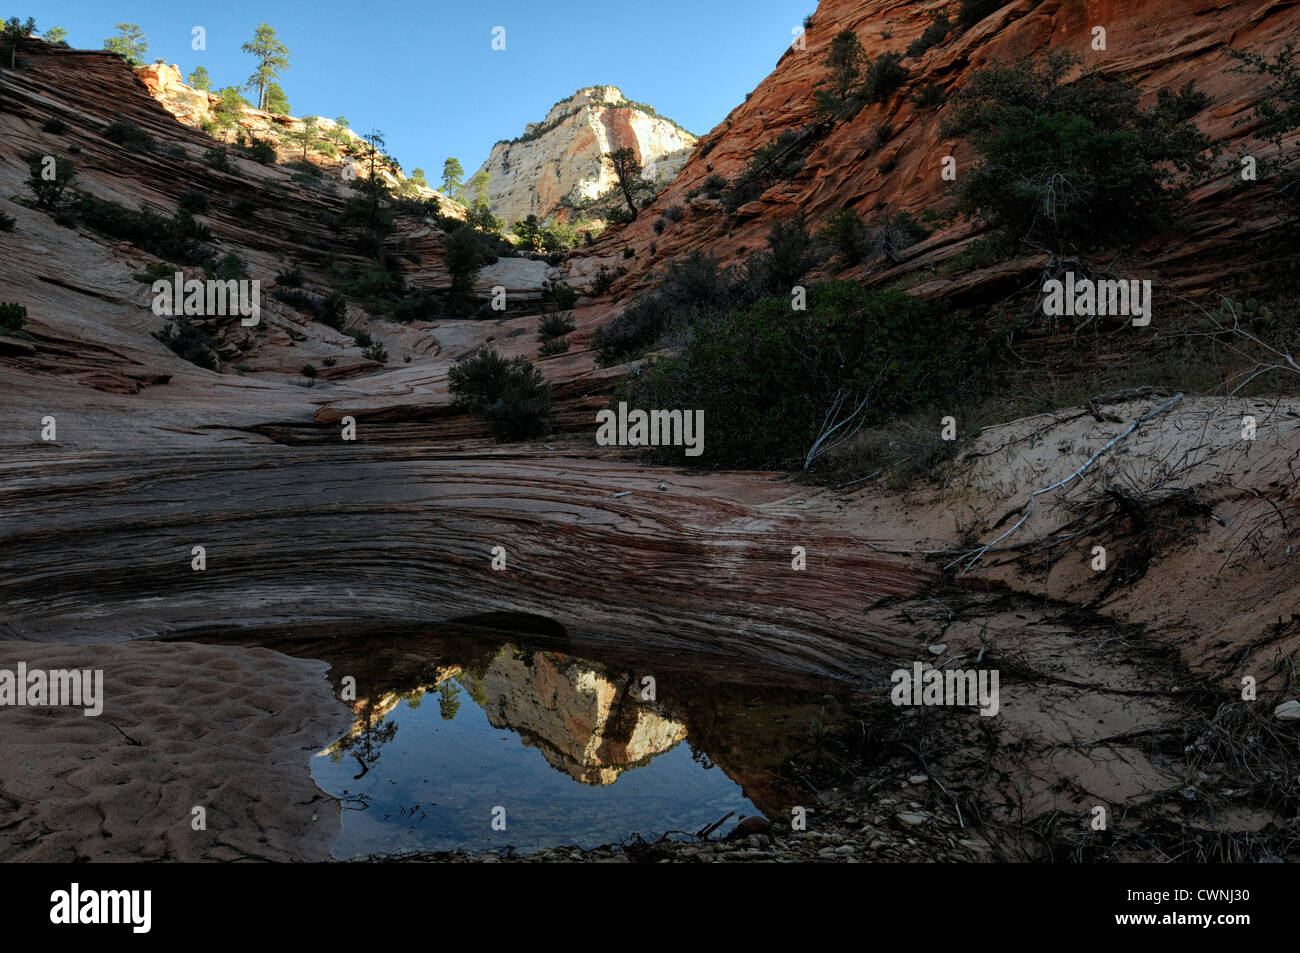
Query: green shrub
[(511, 394), (1072, 167), (359, 336), (620, 215), (423, 305), (603, 280), (558, 296), (845, 235), (218, 158), (308, 371), (158, 271), (934, 34), (229, 266), (714, 185), (7, 222), (194, 201), (674, 213), (12, 316), (289, 278), (55, 125), (766, 376), (928, 95), (190, 343), (554, 346), (376, 352), (179, 238), (261, 150), (554, 326), (885, 75), (128, 135), (973, 11), (49, 192), (468, 250)]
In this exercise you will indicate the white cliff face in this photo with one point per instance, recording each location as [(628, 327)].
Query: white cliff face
[(561, 159)]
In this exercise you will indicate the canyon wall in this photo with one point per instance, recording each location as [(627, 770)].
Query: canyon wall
[(560, 161)]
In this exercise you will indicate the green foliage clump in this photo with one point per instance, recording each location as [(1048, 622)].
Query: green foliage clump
[(190, 343), (693, 287), (194, 201), (375, 286), (933, 35), (7, 222), (468, 251), (973, 11), (714, 185), (1077, 166), (553, 346), (557, 296), (128, 135), (179, 238), (885, 75), (1277, 109), (50, 180), (851, 239), (554, 326), (511, 394), (12, 33), (130, 44), (12, 316), (767, 375), (261, 150)]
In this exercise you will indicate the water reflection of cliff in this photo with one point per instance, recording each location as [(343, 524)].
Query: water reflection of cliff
[(590, 720)]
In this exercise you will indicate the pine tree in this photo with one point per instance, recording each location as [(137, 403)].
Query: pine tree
[(199, 79), (272, 57), (306, 135), (12, 33), (130, 43), (56, 36), (276, 101), (451, 173)]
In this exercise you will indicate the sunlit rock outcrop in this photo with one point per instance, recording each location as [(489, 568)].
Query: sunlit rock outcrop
[(559, 161)]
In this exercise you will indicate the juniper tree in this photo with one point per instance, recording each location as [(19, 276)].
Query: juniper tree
[(199, 79), (628, 172)]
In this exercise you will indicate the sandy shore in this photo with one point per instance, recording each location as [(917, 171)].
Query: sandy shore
[(182, 726)]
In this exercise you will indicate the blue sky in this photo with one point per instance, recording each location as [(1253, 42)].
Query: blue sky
[(427, 76)]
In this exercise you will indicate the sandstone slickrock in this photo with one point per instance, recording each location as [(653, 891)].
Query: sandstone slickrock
[(1151, 43)]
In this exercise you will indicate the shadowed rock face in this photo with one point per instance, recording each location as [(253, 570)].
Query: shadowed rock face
[(1151, 43), (100, 548), (560, 160)]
